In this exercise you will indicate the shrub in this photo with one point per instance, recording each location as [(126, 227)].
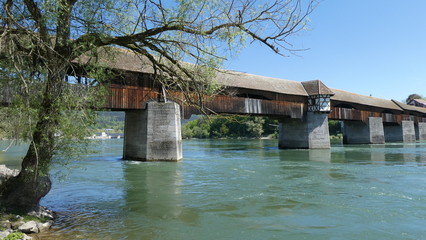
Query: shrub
[(14, 236)]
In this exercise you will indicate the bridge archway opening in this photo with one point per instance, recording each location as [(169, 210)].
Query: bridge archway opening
[(109, 125)]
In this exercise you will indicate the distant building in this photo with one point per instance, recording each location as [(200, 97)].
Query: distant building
[(116, 135), (101, 135), (417, 102), (104, 135)]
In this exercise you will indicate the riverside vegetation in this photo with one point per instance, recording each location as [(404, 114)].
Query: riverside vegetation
[(240, 127), (218, 126), (208, 127)]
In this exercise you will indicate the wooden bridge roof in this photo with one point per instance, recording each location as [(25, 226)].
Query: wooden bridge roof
[(407, 107), (349, 97), (129, 61), (126, 60), (269, 84), (316, 87), (119, 59)]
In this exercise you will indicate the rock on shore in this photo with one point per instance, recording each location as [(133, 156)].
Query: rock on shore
[(6, 172), (10, 224)]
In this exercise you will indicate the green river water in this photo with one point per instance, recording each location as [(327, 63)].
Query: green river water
[(241, 189)]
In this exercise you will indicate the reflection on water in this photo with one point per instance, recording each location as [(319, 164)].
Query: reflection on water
[(152, 195), (243, 189)]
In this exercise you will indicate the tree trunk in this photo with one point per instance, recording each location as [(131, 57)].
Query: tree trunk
[(24, 192)]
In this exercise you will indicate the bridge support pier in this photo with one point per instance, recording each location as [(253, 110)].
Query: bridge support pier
[(371, 132), (404, 132), (153, 134), (311, 133), (420, 131)]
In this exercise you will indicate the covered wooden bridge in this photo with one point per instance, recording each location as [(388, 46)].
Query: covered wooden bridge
[(303, 109), (152, 127), (252, 94)]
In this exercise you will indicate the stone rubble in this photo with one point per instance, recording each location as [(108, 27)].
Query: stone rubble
[(29, 227)]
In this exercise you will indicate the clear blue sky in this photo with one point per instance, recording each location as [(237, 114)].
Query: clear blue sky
[(375, 47)]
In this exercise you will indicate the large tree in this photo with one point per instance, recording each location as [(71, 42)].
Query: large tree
[(41, 40), (413, 96)]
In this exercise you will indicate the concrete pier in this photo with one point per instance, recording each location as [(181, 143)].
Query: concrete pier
[(370, 132), (311, 133), (420, 131), (153, 134), (404, 132)]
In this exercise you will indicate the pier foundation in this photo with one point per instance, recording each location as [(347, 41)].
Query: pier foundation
[(370, 132), (403, 132), (420, 131), (310, 133), (153, 134)]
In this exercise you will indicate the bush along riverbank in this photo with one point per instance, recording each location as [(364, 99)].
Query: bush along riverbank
[(220, 126), (17, 225), (230, 127)]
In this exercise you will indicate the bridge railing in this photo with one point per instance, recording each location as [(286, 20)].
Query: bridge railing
[(8, 94), (391, 118), (133, 97), (129, 97), (338, 113), (407, 117), (416, 119), (240, 105)]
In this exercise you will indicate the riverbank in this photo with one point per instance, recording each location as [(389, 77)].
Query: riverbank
[(17, 226)]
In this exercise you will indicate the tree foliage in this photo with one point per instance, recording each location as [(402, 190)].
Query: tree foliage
[(239, 127), (230, 127), (41, 44), (334, 127), (412, 97), (113, 122)]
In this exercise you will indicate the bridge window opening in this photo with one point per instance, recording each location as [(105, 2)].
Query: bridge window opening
[(343, 105), (319, 103), (253, 96), (81, 80), (388, 116)]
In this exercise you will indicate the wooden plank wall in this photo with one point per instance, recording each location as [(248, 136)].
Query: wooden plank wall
[(360, 115), (129, 97), (263, 107), (134, 97)]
